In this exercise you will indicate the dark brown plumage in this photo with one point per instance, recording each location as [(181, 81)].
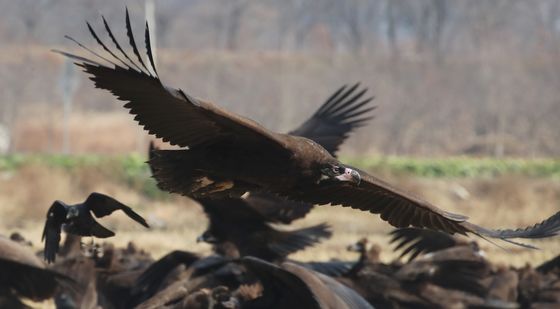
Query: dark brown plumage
[(24, 275), (150, 281), (82, 270), (414, 242), (229, 155), (232, 220), (294, 286)]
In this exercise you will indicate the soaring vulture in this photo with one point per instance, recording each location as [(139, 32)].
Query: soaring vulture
[(227, 155)]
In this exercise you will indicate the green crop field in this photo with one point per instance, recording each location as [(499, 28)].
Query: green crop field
[(133, 165), (133, 171)]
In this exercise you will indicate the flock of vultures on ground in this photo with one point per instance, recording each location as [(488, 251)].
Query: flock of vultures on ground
[(248, 180)]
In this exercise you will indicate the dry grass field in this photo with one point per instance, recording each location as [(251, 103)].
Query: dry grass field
[(505, 201)]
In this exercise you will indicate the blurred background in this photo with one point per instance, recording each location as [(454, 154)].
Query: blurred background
[(467, 92)]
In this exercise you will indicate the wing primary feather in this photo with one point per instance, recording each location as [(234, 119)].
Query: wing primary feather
[(330, 101), (520, 244), (356, 108), (342, 97), (359, 113), (359, 122), (75, 57), (350, 101), (117, 45), (89, 50), (90, 28), (148, 42), (133, 43)]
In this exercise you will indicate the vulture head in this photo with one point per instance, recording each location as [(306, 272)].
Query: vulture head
[(340, 172)]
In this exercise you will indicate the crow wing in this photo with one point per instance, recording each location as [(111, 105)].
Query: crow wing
[(51, 232), (102, 205)]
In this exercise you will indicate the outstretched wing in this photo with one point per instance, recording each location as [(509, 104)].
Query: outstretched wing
[(167, 113), (102, 205), (547, 228), (344, 111), (51, 232), (399, 208), (415, 241), (402, 209)]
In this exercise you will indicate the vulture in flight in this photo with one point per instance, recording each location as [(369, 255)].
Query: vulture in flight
[(242, 222), (78, 220), (227, 155)]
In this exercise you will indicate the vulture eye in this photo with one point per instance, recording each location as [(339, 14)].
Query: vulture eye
[(338, 170)]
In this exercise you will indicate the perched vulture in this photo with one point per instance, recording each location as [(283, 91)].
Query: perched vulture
[(78, 220), (229, 155), (151, 279), (293, 286), (368, 256), (459, 268), (24, 275)]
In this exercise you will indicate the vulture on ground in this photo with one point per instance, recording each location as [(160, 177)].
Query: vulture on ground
[(78, 220), (227, 155), (24, 275), (293, 286)]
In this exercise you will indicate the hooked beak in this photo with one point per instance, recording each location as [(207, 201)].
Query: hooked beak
[(350, 175)]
